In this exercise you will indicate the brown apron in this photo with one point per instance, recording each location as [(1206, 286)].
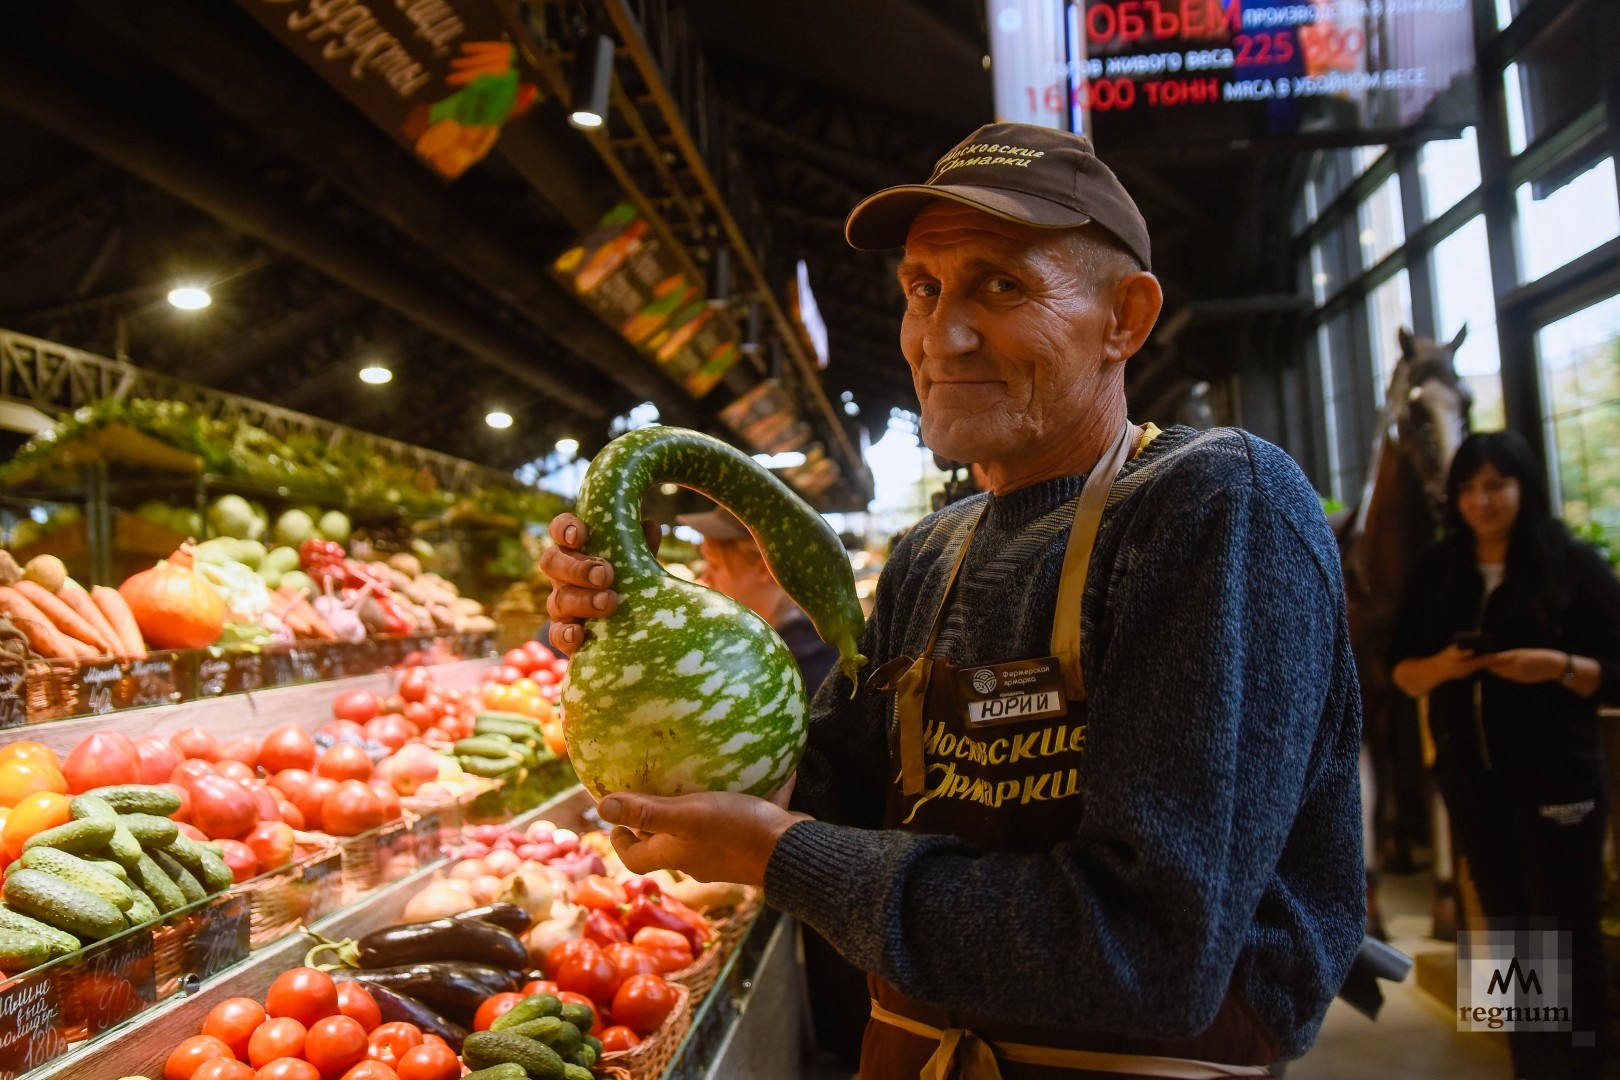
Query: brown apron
[(992, 754)]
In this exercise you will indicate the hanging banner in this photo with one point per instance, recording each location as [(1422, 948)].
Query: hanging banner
[(437, 75), (624, 274)]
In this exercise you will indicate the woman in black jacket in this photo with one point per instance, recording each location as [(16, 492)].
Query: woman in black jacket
[(1511, 627)]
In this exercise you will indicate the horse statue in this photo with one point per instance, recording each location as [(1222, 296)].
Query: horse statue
[(1424, 419)]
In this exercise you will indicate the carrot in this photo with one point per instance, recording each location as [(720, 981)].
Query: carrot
[(73, 595), (43, 636), (66, 619), (116, 608)]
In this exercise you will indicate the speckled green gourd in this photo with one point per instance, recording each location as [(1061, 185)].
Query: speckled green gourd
[(684, 689)]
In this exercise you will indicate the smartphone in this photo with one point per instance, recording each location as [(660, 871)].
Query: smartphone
[(1475, 641)]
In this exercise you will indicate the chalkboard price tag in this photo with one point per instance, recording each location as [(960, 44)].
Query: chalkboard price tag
[(336, 660), (114, 980), (152, 682), (31, 1023), (323, 880), (220, 935), (306, 663), (13, 696), (213, 676), (99, 690)]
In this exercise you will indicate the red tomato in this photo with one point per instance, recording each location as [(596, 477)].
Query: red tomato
[(344, 761), (303, 993), (565, 949), (288, 1068), (286, 748), (232, 769), (671, 948), (353, 1001), (520, 659), (244, 750), (195, 742), (186, 1058), (222, 1068), (343, 731), (282, 1037), (392, 731), (633, 960), (430, 1039), (102, 759), (415, 684), (371, 1070), (356, 705), (335, 1045), (493, 1009), (314, 799), (430, 1061), (352, 809), (293, 782), (420, 714), (643, 1003), (240, 858), (599, 1011), (389, 1042), (618, 1037), (271, 843), (539, 986), (233, 1023)]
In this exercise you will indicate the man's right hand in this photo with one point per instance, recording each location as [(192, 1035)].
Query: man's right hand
[(579, 583)]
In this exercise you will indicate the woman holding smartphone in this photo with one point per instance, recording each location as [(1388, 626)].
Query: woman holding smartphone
[(1511, 627)]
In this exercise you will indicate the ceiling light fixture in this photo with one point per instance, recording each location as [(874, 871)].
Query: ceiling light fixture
[(567, 446), (375, 374), (593, 82), (499, 419), (190, 297)]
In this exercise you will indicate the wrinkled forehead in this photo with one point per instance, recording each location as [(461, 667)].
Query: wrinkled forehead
[(945, 223)]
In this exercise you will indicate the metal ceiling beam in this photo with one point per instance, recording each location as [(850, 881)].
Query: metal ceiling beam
[(99, 118)]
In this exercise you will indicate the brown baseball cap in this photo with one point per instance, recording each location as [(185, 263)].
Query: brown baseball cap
[(1036, 175)]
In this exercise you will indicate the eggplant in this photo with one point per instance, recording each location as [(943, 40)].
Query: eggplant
[(471, 941), (395, 1006), (506, 916), (445, 984)]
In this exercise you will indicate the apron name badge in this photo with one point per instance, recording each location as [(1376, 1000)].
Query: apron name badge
[(1012, 692)]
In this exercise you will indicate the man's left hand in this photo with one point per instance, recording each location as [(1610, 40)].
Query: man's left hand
[(1528, 665), (709, 835)]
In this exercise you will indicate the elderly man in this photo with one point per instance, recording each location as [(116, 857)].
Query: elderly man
[(1095, 812)]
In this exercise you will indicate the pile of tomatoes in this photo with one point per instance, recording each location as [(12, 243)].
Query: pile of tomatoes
[(309, 1028), (623, 984), (530, 681)]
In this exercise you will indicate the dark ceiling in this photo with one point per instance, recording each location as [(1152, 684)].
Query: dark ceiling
[(151, 144)]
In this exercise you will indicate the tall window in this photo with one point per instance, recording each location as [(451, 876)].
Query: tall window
[(1463, 294), (1580, 370), (1389, 308), (1559, 222), (1449, 169)]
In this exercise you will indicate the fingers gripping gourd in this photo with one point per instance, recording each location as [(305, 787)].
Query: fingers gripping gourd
[(684, 689)]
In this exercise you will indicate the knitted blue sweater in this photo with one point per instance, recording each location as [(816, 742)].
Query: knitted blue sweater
[(1221, 832)]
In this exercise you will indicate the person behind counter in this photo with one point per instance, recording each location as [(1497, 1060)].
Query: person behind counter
[(1159, 875), (1511, 628)]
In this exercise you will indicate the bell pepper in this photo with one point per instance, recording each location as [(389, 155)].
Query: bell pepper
[(604, 929), (646, 911)]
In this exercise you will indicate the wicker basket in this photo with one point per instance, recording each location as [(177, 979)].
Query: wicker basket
[(733, 926), (652, 1056), (611, 1072), (53, 689), (699, 976)]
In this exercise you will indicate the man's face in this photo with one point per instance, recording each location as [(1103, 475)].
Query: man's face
[(1003, 334)]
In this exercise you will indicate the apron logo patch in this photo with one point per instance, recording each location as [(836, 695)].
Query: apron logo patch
[(984, 680)]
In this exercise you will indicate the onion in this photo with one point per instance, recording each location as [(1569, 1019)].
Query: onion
[(438, 900), (545, 936), (531, 892), (460, 885), (484, 888), (467, 869), (502, 862)]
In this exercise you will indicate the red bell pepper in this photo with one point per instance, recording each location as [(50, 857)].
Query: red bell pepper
[(646, 911), (604, 929)]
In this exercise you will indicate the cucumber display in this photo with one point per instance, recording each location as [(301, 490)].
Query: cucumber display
[(71, 868), (59, 942), (485, 1049), (138, 799), (78, 837), (63, 905), (684, 689)]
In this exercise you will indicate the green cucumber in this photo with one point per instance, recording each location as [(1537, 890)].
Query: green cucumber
[(216, 876), (142, 910), (78, 837), (581, 1016), (73, 869), (488, 766), (90, 805), (484, 1049), (20, 950), (520, 719), (138, 799), (595, 1044), (157, 885), (511, 1070), (60, 942), (546, 1029), (151, 830), (63, 904), (123, 846), (684, 689), (529, 1009), (518, 733), (493, 746), (207, 867), (108, 866), (189, 886), (576, 1072)]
